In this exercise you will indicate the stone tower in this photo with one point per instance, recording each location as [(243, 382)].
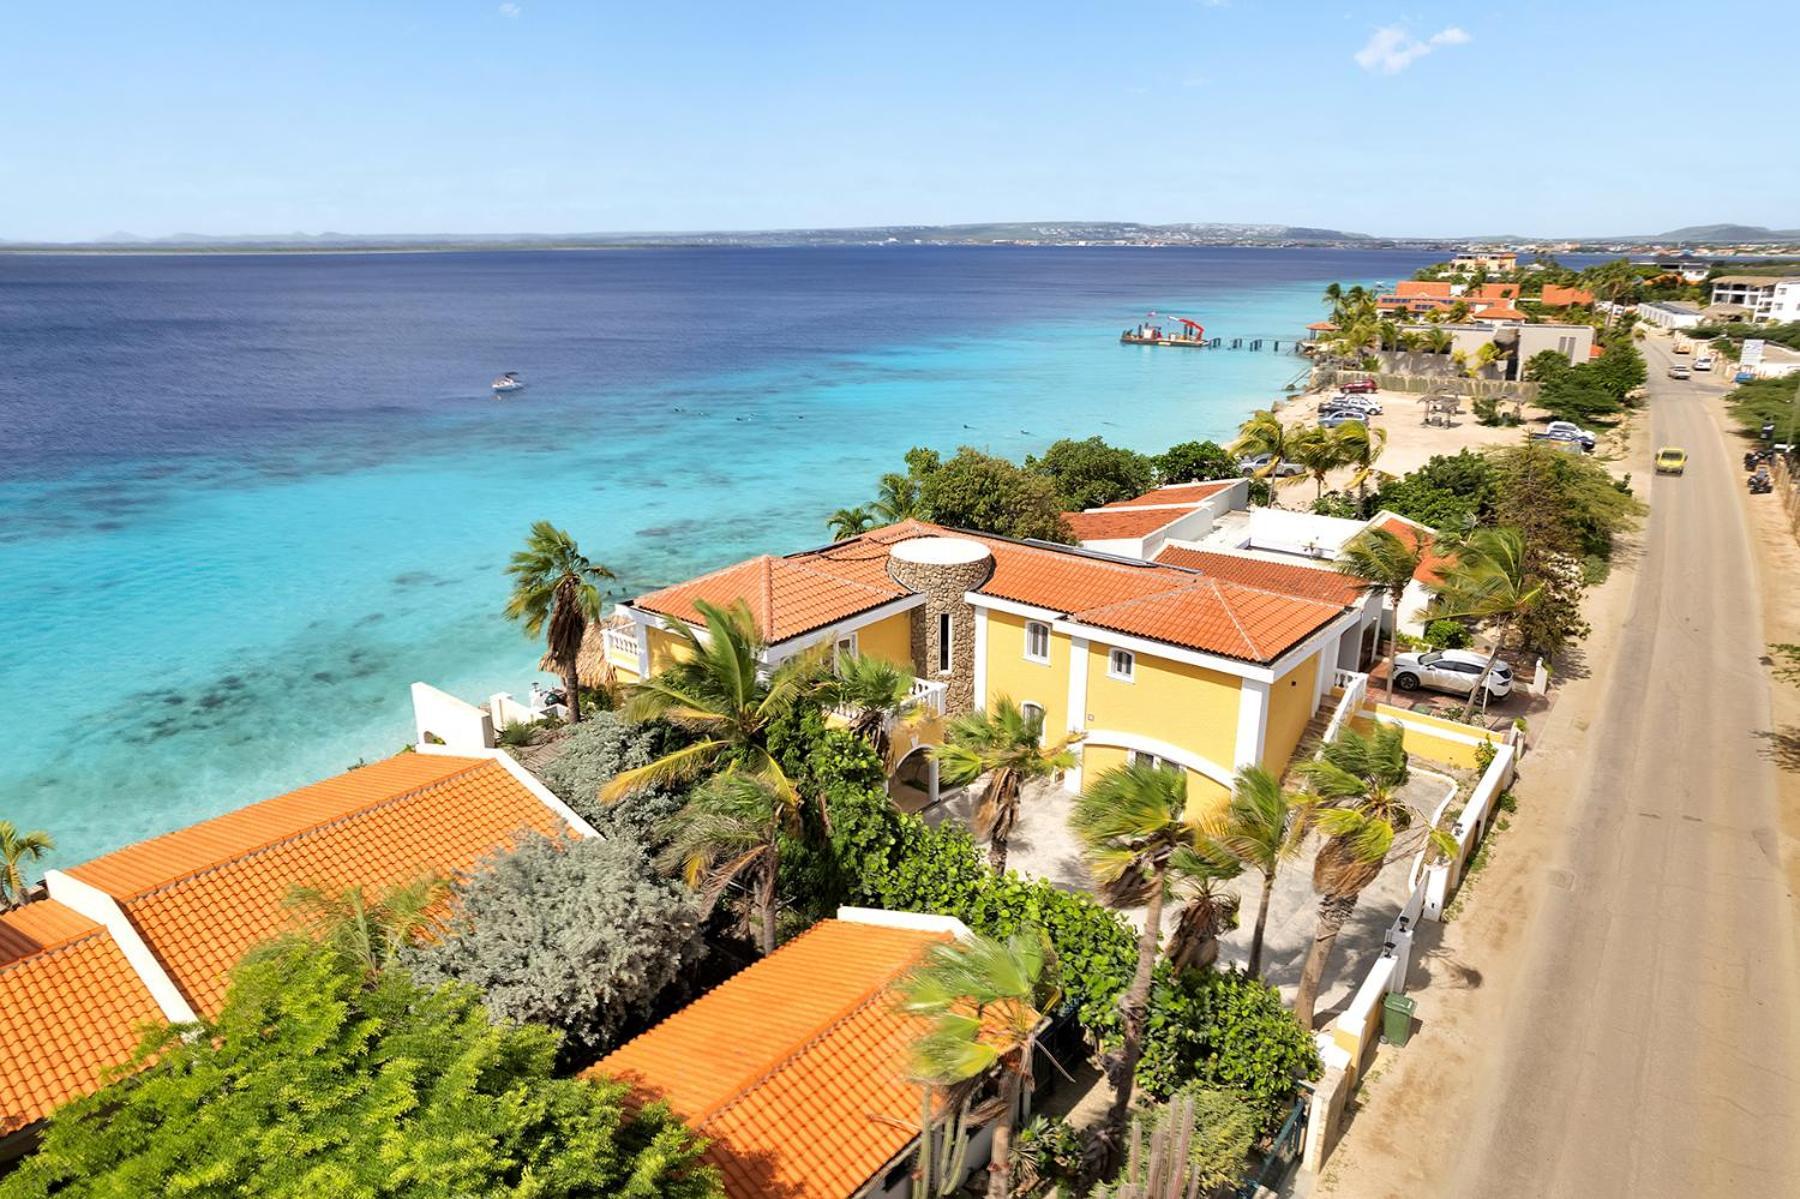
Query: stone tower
[(942, 569)]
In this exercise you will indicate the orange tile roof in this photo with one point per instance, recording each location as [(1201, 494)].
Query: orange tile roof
[(796, 1068), (1322, 327), (1500, 312), (1307, 582), (1558, 296), (787, 596), (1415, 288), (378, 827), (1218, 617), (71, 1008), (1175, 493), (1431, 563), (1103, 523)]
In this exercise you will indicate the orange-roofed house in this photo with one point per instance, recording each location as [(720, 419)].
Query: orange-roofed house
[(1432, 563), (148, 934), (796, 1070), (1558, 296), (1144, 661)]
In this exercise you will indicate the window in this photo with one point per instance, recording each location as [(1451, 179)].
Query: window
[(845, 648), (943, 662), (1037, 642), (1140, 758), (1120, 664), (1035, 712)]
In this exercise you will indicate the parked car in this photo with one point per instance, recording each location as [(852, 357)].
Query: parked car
[(1354, 403), (1358, 386), (1570, 428), (1678, 371), (1558, 441), (1331, 420), (1703, 364), (1286, 470), (1451, 670), (1671, 460)]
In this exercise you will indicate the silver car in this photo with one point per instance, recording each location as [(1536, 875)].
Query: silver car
[(1451, 670)]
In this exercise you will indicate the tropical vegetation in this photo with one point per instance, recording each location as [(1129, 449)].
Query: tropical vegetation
[(1385, 562), (732, 830), (15, 849), (1004, 744), (556, 595)]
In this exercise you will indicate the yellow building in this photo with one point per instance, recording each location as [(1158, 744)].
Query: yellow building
[(1202, 661)]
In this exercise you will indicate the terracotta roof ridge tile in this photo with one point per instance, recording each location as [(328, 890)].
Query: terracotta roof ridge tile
[(1231, 612), (311, 830)]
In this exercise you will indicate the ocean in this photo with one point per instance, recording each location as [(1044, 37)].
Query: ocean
[(246, 500)]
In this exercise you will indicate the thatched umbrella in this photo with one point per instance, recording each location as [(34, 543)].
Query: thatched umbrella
[(591, 666)]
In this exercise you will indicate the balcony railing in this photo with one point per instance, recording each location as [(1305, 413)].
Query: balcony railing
[(622, 646), (1355, 685), (929, 696)]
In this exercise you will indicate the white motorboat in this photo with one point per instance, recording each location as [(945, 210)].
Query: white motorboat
[(510, 381)]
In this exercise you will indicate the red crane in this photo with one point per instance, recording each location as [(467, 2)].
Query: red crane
[(1194, 326)]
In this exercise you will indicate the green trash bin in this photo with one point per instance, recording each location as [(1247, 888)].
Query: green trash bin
[(1397, 1018)]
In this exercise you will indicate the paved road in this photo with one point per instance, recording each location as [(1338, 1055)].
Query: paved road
[(1653, 1047)]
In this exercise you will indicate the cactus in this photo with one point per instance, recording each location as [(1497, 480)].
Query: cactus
[(943, 1143)]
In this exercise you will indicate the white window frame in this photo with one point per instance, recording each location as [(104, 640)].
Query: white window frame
[(1140, 757), (842, 644), (1042, 659), (1113, 658), (946, 660)]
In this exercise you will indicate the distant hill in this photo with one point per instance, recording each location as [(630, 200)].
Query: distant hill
[(1001, 233), (1733, 234)]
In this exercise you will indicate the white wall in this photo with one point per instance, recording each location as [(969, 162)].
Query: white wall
[(460, 727)]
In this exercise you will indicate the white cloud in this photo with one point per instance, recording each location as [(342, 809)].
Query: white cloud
[(509, 9), (1391, 49)]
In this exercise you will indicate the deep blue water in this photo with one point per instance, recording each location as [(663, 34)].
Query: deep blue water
[(246, 500)]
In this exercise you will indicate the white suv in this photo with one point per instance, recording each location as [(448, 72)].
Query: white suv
[(1452, 670)]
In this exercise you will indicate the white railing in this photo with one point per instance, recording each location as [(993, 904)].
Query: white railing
[(929, 695), (622, 646), (1355, 686)]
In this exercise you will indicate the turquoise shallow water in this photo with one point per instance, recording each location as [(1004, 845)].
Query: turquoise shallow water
[(248, 502)]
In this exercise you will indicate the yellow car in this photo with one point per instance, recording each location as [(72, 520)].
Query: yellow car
[(1670, 461)]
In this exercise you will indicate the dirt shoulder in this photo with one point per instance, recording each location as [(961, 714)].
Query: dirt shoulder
[(1402, 1136)]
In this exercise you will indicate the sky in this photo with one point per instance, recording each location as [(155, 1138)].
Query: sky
[(1573, 117)]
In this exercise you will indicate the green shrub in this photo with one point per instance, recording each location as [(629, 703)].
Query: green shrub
[(1447, 634), (1225, 1030), (594, 751)]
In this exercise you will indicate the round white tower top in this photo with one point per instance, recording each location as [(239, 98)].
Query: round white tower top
[(939, 551)]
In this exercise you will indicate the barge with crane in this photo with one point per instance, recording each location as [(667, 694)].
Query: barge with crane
[(1150, 332)]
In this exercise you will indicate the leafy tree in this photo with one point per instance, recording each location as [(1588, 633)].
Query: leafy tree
[(984, 1001), (986, 494), (1263, 433), (15, 847), (315, 1080), (1490, 580), (602, 747), (1363, 814), (1385, 562), (1224, 1029), (1090, 473), (875, 694), (577, 935), (1767, 401), (1195, 462), (715, 690), (846, 523), (1132, 823), (732, 828), (1450, 493), (1360, 448), (1007, 745), (1319, 451), (1555, 619), (1264, 827), (556, 591)]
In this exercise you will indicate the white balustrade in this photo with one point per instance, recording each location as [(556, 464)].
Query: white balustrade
[(622, 646)]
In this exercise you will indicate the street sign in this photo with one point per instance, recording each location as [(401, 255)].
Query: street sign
[(1751, 356)]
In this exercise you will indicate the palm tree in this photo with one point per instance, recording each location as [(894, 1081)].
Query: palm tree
[(1264, 828), (369, 932), (846, 523), (1209, 909), (15, 847), (1358, 779), (555, 587), (1264, 433), (1386, 562), (715, 688), (984, 1003), (1007, 745), (732, 828), (1132, 823), (1361, 447), (873, 694), (1334, 296), (1489, 580), (1319, 451), (897, 498), (1438, 340)]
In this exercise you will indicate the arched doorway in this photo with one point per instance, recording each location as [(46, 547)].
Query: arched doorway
[(913, 786)]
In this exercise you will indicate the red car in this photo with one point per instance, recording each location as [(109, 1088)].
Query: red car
[(1357, 387)]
